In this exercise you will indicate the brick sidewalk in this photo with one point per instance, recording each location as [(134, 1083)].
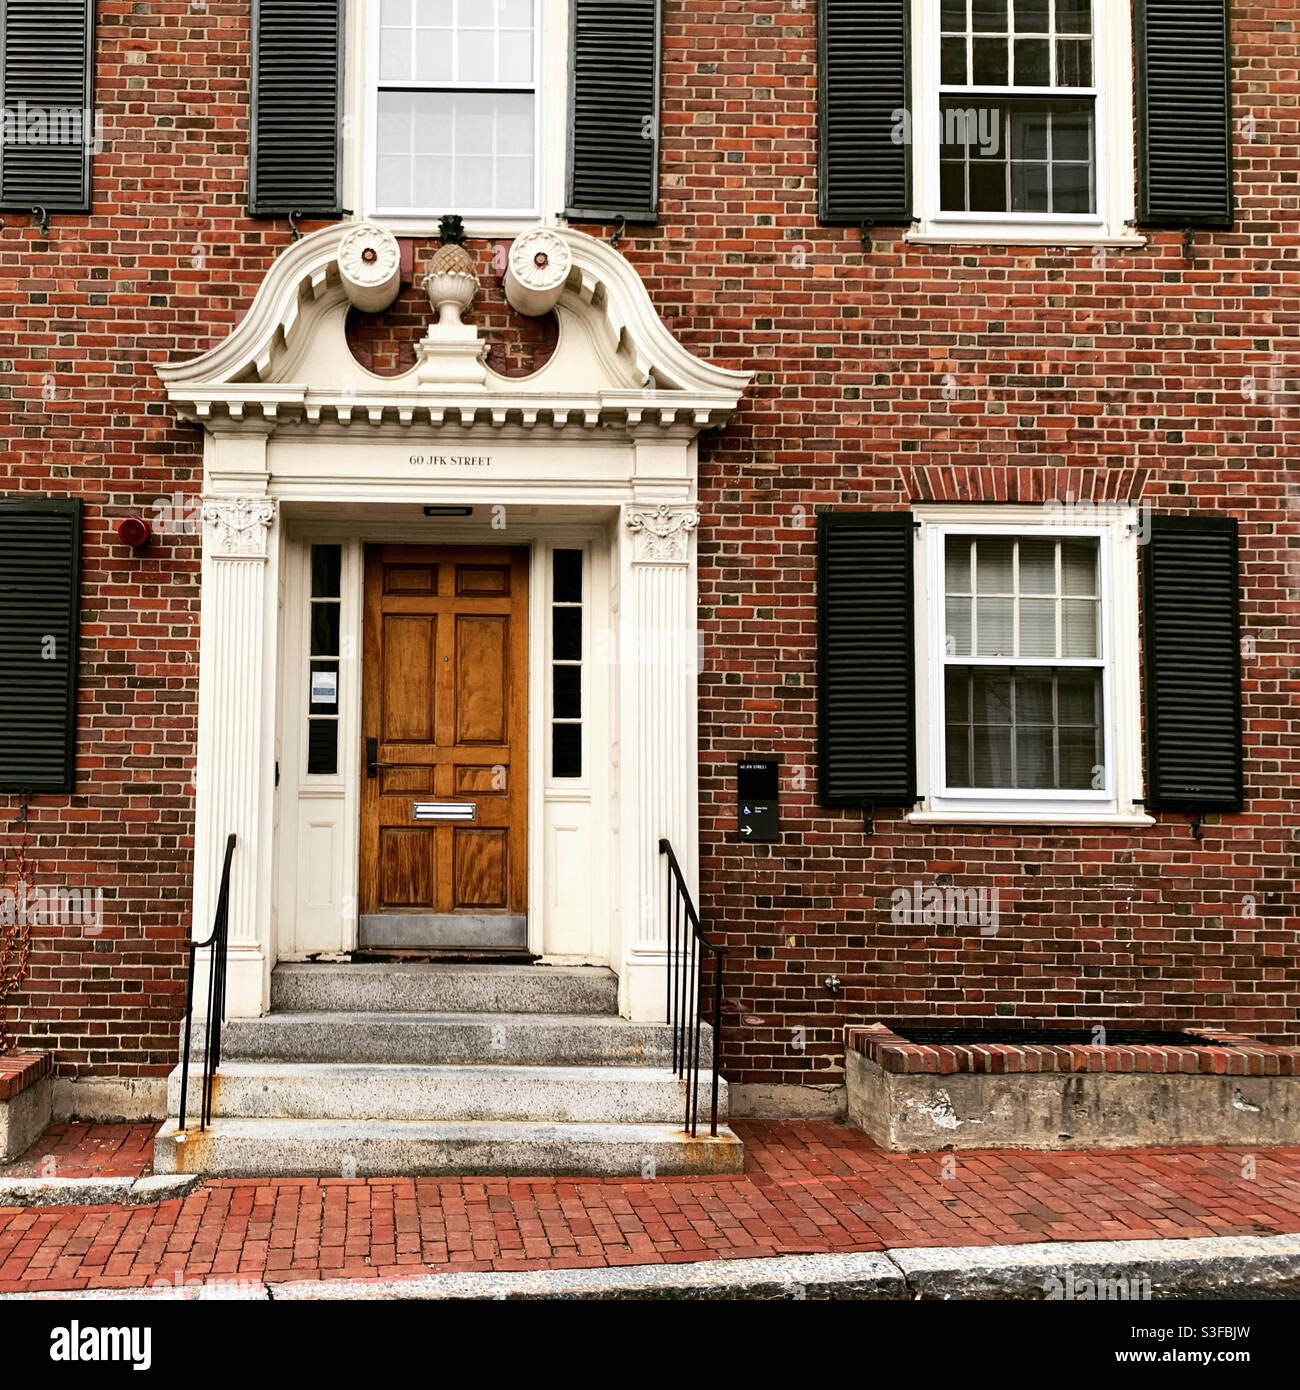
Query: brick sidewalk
[(807, 1188)]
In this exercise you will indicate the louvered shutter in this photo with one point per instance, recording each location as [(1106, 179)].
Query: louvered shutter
[(614, 111), (863, 160), (1184, 111), (296, 111), (40, 572), (48, 48), (866, 698), (1192, 665)]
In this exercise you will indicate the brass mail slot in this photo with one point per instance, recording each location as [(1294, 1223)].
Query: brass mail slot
[(444, 810)]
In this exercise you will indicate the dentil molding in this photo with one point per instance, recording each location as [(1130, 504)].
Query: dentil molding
[(236, 527), (662, 535)]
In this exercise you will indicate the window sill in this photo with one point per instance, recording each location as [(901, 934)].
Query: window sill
[(1076, 819), (1010, 236)]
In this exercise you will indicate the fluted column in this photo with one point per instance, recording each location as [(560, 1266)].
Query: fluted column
[(235, 774), (658, 715)]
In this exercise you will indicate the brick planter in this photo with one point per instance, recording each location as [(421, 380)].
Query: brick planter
[(908, 1096), (26, 1092)]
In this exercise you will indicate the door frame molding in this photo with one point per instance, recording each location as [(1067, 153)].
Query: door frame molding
[(335, 801)]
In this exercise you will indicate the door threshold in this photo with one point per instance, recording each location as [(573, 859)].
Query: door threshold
[(500, 956)]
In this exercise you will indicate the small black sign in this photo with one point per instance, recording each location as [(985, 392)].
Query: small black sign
[(757, 811)]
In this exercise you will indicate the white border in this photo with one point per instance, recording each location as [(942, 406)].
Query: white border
[(1115, 526), (360, 164), (1115, 173)]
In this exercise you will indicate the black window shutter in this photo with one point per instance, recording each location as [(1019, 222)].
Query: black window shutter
[(40, 575), (296, 115), (614, 111), (1184, 111), (863, 56), (866, 694), (1192, 665), (48, 49)]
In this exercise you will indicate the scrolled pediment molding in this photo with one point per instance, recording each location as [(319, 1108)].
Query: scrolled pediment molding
[(662, 534), (236, 528), (306, 284)]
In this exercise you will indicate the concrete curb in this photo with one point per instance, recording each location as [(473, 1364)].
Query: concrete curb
[(93, 1192), (1229, 1268)]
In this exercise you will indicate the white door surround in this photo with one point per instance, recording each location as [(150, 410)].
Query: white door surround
[(596, 450)]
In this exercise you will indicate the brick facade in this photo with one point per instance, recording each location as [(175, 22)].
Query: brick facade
[(887, 374)]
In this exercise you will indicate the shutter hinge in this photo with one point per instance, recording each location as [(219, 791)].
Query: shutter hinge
[(1198, 822), (868, 819), (617, 234)]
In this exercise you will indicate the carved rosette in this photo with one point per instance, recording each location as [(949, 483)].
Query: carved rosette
[(236, 527), (663, 535), (370, 267), (537, 270)]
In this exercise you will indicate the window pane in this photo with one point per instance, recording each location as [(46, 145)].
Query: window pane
[(322, 747), (956, 565), (325, 629), (1073, 63), (989, 63), (952, 186), (1029, 188), (567, 702), (1079, 568), (954, 15), (468, 149), (515, 61), (326, 565), (1033, 16), (324, 697), (566, 750), (1034, 702), (475, 60), (1037, 627), (957, 756), (567, 576), (1035, 758), (567, 630), (989, 16), (991, 755), (1079, 627), (990, 697), (958, 627), (1080, 754), (953, 62), (1037, 567), (993, 555), (1078, 695), (1074, 16), (1071, 188), (1033, 63)]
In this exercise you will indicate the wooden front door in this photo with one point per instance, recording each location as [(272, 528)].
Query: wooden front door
[(443, 771)]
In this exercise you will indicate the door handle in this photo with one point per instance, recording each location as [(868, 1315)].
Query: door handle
[(372, 758)]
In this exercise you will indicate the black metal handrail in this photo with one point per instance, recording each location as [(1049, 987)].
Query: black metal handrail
[(217, 943), (687, 947)]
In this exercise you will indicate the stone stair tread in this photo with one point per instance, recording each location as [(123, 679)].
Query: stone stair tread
[(375, 1148), (559, 1071)]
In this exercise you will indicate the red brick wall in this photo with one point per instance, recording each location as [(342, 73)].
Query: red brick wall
[(1073, 374)]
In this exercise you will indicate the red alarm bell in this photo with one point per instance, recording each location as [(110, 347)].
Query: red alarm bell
[(134, 531)]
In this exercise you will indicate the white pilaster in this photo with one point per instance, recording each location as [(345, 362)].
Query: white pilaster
[(235, 774), (658, 697)]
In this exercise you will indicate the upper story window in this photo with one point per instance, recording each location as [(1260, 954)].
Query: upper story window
[(1023, 120), (1017, 105), (454, 107)]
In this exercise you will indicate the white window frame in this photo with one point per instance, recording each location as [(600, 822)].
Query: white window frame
[(1114, 134), (360, 162), (1117, 532)]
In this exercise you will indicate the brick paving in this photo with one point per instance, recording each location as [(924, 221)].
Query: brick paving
[(87, 1151), (807, 1188)]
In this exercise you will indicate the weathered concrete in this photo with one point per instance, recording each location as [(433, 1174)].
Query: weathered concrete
[(110, 1099), (920, 1111), (770, 1101), (161, 1187), (356, 1091), (387, 1148), (443, 988), (1227, 1267), (1238, 1267), (24, 1118), (563, 1039), (63, 1192)]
